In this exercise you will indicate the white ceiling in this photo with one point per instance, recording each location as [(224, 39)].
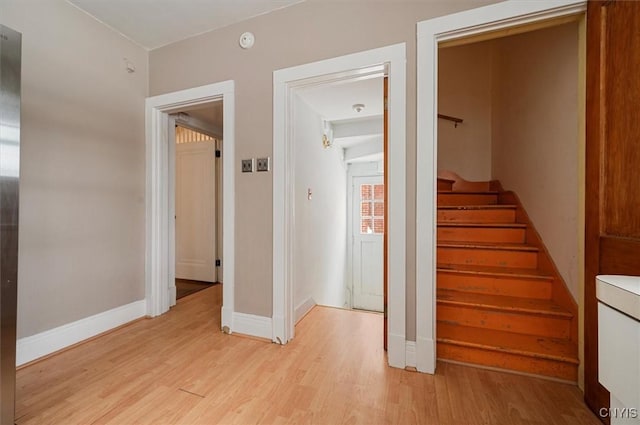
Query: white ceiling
[(359, 134), (155, 23), (335, 102), (210, 113)]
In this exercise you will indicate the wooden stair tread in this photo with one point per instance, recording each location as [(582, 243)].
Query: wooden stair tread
[(508, 342), (442, 179), (488, 224), (476, 207), (489, 245), (502, 303), (495, 306), (495, 271)]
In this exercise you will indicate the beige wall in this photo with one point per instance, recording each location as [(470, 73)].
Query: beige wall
[(464, 91), (303, 33), (535, 135), (82, 177)]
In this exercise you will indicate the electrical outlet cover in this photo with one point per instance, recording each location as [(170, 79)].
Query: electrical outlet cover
[(262, 164), (247, 165)]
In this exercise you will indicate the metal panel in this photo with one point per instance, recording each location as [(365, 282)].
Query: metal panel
[(10, 62)]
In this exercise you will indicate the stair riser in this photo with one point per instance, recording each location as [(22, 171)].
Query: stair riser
[(528, 324), (487, 257), (508, 361), (452, 199), (482, 284), (481, 234), (477, 216)]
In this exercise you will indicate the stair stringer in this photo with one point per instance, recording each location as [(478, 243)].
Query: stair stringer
[(560, 292)]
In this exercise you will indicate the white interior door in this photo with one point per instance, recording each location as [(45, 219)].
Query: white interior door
[(195, 211), (368, 231)]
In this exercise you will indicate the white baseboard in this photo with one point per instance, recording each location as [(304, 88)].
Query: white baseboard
[(411, 353), (426, 355), (173, 292), (397, 351), (249, 324), (303, 308), (33, 347)]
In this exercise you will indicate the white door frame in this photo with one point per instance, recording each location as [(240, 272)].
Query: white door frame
[(430, 33), (159, 256), (284, 82)]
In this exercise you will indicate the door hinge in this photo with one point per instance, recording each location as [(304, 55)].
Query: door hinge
[(218, 263), (218, 153)]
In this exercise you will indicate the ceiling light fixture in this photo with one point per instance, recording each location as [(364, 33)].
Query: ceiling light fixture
[(358, 107)]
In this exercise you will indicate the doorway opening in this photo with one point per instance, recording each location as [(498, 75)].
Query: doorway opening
[(196, 174), (387, 60), (338, 130), (482, 23), (160, 216), (508, 226)]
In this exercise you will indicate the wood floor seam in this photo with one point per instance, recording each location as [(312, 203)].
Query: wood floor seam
[(192, 393)]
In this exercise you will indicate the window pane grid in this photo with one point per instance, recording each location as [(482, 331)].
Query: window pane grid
[(372, 209)]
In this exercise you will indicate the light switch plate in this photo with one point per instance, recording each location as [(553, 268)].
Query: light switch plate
[(262, 164), (247, 165)]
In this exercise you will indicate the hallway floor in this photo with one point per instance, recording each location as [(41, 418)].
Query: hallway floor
[(186, 287), (180, 369)]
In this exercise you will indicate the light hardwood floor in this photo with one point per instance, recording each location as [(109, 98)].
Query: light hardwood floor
[(180, 369)]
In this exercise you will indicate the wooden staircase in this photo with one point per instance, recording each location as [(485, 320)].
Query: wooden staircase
[(501, 302)]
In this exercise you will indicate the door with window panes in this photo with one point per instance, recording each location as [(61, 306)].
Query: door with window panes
[(368, 231)]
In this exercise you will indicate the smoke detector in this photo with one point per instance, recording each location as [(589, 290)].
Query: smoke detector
[(246, 40), (358, 107)]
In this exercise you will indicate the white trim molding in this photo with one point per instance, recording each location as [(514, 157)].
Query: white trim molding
[(411, 353), (158, 220), (303, 308), (249, 324), (392, 61), (33, 347), (430, 33)]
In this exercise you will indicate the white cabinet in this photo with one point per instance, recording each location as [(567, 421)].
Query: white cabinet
[(619, 345)]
